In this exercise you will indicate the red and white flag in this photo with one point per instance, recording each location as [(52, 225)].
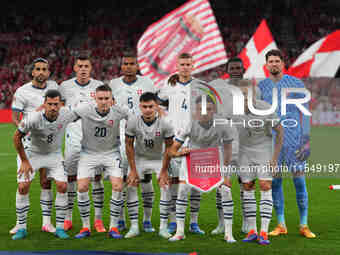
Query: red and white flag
[(253, 55), (322, 59), (190, 28)]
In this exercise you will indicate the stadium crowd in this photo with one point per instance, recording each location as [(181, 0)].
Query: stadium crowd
[(106, 32)]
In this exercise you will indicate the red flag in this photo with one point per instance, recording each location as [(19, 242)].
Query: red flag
[(190, 28), (322, 59), (253, 55)]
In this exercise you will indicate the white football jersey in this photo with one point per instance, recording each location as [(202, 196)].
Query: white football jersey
[(100, 133), (149, 137), (128, 94), (46, 136), (28, 98), (254, 130), (204, 136), (74, 93)]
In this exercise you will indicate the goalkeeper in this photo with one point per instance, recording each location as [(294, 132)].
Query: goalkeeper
[(295, 149)]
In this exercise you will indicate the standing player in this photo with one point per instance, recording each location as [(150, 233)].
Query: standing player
[(149, 132), (46, 130), (127, 90), (80, 89), (235, 70), (202, 133), (100, 148), (295, 148), (257, 160), (29, 98), (175, 94)]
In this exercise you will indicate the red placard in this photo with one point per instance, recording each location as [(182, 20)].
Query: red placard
[(204, 168)]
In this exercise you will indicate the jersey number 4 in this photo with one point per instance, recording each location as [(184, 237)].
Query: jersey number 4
[(184, 105)]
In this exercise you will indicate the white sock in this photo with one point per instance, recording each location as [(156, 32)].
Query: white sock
[(195, 202), (60, 209), (98, 198), (148, 197), (219, 208), (164, 205), (244, 221), (228, 209), (132, 205), (266, 208), (22, 207), (174, 194), (71, 195), (124, 198), (46, 205), (116, 204), (84, 208), (250, 209), (181, 207)]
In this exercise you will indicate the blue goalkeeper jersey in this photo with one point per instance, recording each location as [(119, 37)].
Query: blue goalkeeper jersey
[(292, 135)]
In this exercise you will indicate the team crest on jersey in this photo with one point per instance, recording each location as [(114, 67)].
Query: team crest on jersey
[(139, 92), (93, 94), (60, 126), (110, 122), (158, 133)]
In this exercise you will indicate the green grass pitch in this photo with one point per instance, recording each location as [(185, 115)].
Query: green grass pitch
[(324, 208)]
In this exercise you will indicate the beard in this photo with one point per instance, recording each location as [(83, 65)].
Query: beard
[(40, 79)]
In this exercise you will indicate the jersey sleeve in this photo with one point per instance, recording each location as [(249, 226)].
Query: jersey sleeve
[(28, 122), (81, 110), (163, 93), (182, 134), (228, 135), (168, 130), (131, 127), (62, 91), (18, 103)]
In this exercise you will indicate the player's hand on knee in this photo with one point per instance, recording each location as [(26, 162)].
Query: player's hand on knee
[(163, 180), (25, 169), (133, 179)]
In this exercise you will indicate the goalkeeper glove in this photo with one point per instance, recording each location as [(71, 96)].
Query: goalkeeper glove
[(304, 151)]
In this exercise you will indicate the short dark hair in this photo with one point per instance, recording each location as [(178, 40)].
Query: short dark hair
[(104, 87), (209, 99), (233, 60), (83, 56), (148, 96), (185, 55), (129, 54), (274, 52), (37, 60), (52, 93)]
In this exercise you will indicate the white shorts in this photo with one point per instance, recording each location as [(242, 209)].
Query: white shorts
[(89, 163), (124, 163), (73, 148), (52, 162), (147, 166), (254, 165)]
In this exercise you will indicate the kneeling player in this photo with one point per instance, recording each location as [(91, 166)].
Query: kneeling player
[(202, 133), (100, 148), (149, 132), (257, 161), (46, 130)]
